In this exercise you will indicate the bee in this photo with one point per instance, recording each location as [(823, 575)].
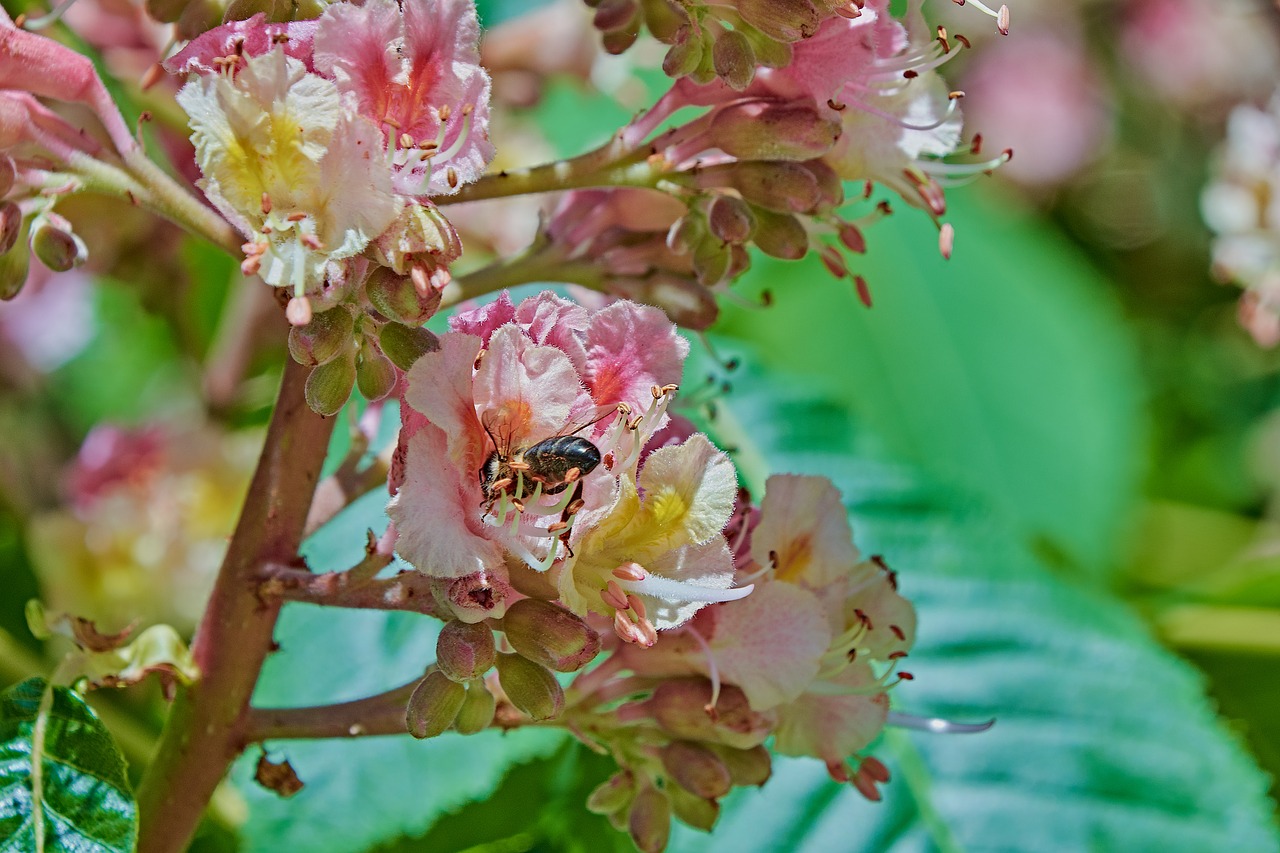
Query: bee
[(554, 464)]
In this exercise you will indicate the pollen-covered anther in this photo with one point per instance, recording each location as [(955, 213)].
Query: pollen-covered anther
[(955, 95), (614, 596), (298, 311), (946, 239), (445, 112), (637, 606), (630, 572), (451, 175), (312, 242), (1002, 20), (266, 204)]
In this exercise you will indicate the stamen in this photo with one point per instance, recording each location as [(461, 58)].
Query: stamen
[(713, 670), (674, 590)]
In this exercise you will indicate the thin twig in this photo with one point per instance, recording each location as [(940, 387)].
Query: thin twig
[(382, 714)]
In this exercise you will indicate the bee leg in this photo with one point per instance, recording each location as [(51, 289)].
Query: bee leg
[(575, 503)]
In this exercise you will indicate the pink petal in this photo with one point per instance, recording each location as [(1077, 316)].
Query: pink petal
[(804, 525), (357, 46), (253, 37), (485, 320), (440, 388), (833, 727), (525, 391), (630, 349), (892, 617)]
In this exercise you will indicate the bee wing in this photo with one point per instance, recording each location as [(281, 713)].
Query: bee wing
[(500, 429), (593, 416)]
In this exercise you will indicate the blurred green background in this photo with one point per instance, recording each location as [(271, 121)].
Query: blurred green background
[(1060, 438)]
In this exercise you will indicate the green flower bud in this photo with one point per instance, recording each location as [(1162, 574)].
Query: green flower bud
[(530, 687), (404, 345), (780, 235), (165, 11), (10, 223), (550, 635), (684, 55), (55, 244), (696, 768), (398, 298), (734, 59), (615, 15), (711, 262), (692, 809), (321, 340), (777, 185), (784, 20), (759, 130), (329, 385), (477, 709), (680, 706), (664, 19), (751, 766), (650, 821), (375, 374), (14, 266), (434, 705), (614, 794), (730, 219), (8, 174), (770, 53), (465, 651)]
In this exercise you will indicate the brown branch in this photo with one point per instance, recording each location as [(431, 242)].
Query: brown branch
[(355, 589), (206, 727), (374, 715)]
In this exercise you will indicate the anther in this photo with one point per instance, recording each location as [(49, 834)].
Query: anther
[(296, 216), (875, 768), (838, 107), (946, 239), (451, 175), (955, 95), (898, 655), (911, 74), (613, 596), (897, 632), (975, 147), (420, 278), (906, 676), (152, 76), (636, 605), (266, 205), (312, 242), (864, 291), (964, 41), (445, 112), (1002, 20), (475, 365)]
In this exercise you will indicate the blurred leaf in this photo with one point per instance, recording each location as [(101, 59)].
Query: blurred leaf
[(365, 791), (84, 796), (1006, 373), (494, 12)]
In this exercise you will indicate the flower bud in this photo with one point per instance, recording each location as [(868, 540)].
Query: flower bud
[(375, 374), (686, 302), (780, 235), (434, 705), (465, 651), (475, 597), (166, 11), (10, 224), (55, 244), (550, 635), (613, 795), (734, 59), (404, 345), (830, 187), (751, 766), (711, 262), (784, 20), (530, 687), (769, 52), (8, 174), (684, 55), (617, 41), (696, 768), (477, 710), (615, 15), (779, 185), (694, 810), (680, 707), (650, 821), (397, 298), (329, 385), (14, 266), (321, 340), (763, 130), (686, 233), (730, 219)]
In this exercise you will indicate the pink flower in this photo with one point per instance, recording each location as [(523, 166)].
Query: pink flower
[(322, 141)]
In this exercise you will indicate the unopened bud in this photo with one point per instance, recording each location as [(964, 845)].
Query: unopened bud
[(686, 302), (650, 821), (780, 185), (680, 707), (696, 811), (730, 219), (686, 233), (465, 651), (617, 41), (404, 345), (8, 174), (375, 374), (10, 224), (530, 687), (762, 130), (434, 705), (165, 11), (770, 52), (329, 385), (830, 187), (198, 16), (734, 59), (751, 766), (550, 635), (55, 244), (397, 297), (615, 14), (477, 710), (243, 10), (784, 20), (683, 56), (711, 263), (696, 768), (739, 262), (324, 338), (780, 235), (14, 266), (475, 597), (613, 794)]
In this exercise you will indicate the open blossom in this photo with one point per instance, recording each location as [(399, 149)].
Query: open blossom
[(479, 490), (1241, 205), (322, 141)]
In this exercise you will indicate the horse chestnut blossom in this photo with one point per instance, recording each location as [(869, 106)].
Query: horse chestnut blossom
[(1240, 206), (639, 543), (323, 141)]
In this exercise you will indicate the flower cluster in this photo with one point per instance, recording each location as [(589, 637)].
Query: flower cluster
[(542, 484), (1240, 206)]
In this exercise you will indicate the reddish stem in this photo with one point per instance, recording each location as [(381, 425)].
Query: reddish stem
[(207, 727)]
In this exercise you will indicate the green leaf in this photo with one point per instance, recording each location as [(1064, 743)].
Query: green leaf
[(83, 796), (494, 12), (1005, 373), (365, 791)]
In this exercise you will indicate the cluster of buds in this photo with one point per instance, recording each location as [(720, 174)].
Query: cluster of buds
[(1240, 206), (857, 99), (598, 525), (326, 155)]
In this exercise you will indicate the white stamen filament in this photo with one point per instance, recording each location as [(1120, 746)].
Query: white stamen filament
[(936, 724), (674, 590)]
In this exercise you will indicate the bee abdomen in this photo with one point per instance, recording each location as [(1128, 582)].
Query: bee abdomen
[(552, 459)]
